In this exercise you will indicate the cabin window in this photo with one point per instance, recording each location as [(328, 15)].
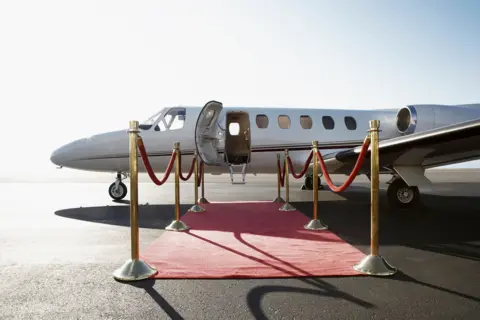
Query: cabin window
[(350, 123), (175, 118), (234, 128), (306, 122), (284, 121), (262, 121), (328, 122)]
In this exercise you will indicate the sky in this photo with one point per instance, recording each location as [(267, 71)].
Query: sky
[(70, 69)]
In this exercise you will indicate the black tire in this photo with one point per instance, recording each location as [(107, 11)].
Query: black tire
[(120, 193), (309, 182), (401, 196)]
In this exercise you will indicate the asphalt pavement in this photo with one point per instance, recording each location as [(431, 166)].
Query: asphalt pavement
[(60, 243)]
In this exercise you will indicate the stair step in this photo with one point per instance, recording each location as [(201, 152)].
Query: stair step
[(232, 172)]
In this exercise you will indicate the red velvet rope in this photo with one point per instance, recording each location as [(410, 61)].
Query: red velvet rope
[(358, 165), (189, 172), (305, 167), (148, 166)]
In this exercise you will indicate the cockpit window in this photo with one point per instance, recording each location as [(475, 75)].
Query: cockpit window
[(147, 124), (175, 118), (150, 121)]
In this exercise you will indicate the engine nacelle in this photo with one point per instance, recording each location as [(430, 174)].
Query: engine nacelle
[(415, 118), (407, 120), (412, 119)]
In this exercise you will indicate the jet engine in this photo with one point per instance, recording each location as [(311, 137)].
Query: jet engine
[(416, 118), (407, 120)]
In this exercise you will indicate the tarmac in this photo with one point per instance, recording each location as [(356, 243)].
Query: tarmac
[(60, 243)]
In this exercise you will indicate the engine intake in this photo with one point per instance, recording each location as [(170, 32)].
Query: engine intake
[(407, 120)]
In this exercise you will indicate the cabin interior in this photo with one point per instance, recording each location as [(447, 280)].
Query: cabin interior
[(237, 138)]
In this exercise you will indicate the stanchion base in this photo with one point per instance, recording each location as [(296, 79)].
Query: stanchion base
[(196, 208), (203, 200), (279, 200), (177, 226), (315, 225), (287, 207), (375, 266), (134, 270)]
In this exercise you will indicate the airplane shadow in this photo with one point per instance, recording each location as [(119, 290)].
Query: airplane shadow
[(149, 216), (443, 224), (440, 224)]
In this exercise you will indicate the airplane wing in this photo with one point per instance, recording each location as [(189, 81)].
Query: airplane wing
[(411, 154)]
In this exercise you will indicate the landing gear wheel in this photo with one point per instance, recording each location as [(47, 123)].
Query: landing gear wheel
[(117, 193), (401, 196), (309, 182)]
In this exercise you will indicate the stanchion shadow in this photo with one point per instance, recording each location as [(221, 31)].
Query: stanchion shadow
[(457, 249), (250, 257), (253, 300), (257, 294), (239, 237), (148, 286), (400, 276), (314, 281), (149, 216)]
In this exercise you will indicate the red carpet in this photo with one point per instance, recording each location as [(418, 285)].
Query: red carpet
[(249, 240)]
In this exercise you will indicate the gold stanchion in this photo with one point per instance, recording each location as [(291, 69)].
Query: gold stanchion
[(177, 224), (287, 206), (279, 198), (196, 207), (203, 199), (134, 268), (374, 264), (315, 224)]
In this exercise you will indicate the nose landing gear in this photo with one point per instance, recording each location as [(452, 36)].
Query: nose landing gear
[(118, 190)]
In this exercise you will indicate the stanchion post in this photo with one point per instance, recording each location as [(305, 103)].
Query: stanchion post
[(196, 207), (279, 198), (203, 199), (374, 264), (315, 224), (134, 268), (177, 224), (287, 206)]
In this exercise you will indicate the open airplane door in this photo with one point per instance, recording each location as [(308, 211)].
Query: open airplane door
[(206, 140)]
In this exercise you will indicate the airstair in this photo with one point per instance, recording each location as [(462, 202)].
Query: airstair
[(234, 170)]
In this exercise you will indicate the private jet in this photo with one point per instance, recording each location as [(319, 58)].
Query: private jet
[(241, 140)]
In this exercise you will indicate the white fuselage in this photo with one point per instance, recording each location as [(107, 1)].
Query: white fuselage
[(110, 151)]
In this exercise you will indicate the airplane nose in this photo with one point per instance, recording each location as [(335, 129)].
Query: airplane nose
[(58, 157), (67, 153), (55, 157), (83, 153)]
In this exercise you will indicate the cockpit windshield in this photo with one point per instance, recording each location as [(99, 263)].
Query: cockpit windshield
[(171, 120), (150, 121)]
